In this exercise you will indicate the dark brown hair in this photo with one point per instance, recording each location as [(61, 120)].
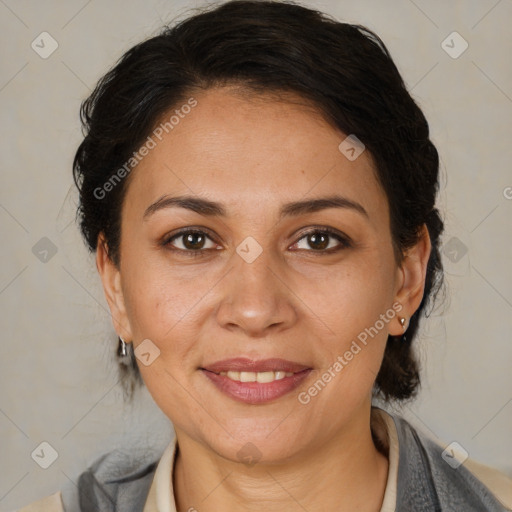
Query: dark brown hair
[(271, 47)]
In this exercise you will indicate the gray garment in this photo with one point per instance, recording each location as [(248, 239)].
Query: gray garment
[(113, 483), (426, 483)]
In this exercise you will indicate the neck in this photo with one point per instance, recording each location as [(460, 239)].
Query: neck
[(345, 473)]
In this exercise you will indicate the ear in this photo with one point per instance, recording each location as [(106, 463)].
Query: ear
[(111, 280), (411, 281)]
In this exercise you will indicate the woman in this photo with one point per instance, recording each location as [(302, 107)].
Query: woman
[(259, 188)]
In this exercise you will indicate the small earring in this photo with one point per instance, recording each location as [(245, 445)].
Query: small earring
[(402, 323), (122, 350)]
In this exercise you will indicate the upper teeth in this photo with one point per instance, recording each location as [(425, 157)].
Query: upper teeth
[(256, 376)]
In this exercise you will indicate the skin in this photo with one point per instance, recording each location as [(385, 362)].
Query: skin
[(253, 155)]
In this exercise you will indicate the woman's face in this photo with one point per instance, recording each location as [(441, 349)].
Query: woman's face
[(262, 280)]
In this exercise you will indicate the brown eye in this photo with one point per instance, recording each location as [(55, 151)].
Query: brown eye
[(192, 242), (320, 241)]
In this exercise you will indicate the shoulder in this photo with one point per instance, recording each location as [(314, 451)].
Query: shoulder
[(114, 481), (118, 480), (444, 477), (52, 503), (496, 481)]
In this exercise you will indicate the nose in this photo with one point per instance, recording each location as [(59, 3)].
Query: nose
[(256, 298)]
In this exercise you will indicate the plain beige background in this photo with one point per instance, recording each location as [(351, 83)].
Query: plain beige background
[(57, 370)]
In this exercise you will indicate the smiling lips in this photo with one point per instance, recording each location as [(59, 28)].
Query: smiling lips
[(255, 382), (243, 364)]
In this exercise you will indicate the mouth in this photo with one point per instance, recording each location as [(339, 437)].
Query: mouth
[(246, 365), (255, 382), (261, 377)]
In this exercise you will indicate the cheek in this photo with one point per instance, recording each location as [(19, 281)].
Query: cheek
[(154, 302), (166, 306), (351, 296), (355, 306)]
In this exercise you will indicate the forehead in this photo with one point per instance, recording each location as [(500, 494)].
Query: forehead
[(251, 152)]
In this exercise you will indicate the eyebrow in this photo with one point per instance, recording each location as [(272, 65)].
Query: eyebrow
[(214, 209)]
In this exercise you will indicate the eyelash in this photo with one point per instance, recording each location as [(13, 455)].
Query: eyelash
[(345, 242)]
